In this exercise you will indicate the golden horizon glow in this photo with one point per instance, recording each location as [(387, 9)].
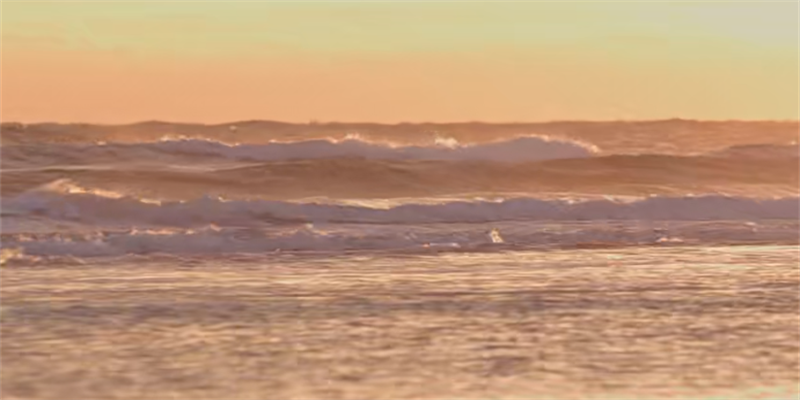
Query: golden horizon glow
[(121, 62)]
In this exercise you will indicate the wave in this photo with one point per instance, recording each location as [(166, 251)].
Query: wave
[(62, 202), (213, 240), (521, 149), (202, 154), (676, 136), (760, 151), (363, 178), (262, 187)]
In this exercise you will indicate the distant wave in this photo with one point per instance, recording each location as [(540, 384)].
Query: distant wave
[(514, 150), (200, 152), (675, 136), (760, 151), (61, 202), (519, 149), (732, 174)]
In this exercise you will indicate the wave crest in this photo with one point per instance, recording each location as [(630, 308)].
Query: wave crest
[(520, 149), (56, 202)]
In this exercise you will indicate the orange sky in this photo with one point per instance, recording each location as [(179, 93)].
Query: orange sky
[(118, 62)]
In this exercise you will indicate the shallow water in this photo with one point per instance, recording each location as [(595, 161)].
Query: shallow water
[(635, 323)]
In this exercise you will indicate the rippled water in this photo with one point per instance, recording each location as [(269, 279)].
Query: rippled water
[(631, 323), (262, 260)]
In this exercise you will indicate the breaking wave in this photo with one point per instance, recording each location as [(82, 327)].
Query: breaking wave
[(214, 240), (521, 149), (676, 136), (189, 168), (262, 187), (60, 201)]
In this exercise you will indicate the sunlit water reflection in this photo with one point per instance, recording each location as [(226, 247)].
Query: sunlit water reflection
[(637, 323)]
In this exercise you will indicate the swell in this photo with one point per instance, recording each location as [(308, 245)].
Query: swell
[(194, 151), (676, 136), (521, 149), (362, 178), (759, 151), (63, 202)]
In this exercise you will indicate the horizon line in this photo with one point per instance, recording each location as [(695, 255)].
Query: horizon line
[(313, 122)]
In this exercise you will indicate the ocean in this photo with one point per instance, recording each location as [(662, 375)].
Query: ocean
[(266, 260)]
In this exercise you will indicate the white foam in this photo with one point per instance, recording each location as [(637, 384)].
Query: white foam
[(528, 148), (64, 202), (9, 254), (336, 238)]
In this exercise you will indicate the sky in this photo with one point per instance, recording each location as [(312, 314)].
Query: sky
[(215, 62)]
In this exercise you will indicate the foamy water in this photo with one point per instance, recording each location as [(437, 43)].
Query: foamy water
[(632, 323), (557, 261)]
